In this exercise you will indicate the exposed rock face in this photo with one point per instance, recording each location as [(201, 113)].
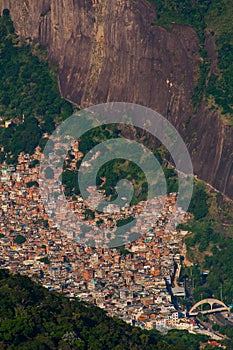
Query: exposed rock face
[(107, 50)]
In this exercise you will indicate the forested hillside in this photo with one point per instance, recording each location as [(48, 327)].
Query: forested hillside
[(31, 318), (29, 94)]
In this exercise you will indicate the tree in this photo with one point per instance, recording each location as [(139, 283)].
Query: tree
[(19, 239)]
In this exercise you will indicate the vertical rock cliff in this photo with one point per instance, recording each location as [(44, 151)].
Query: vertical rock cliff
[(108, 50)]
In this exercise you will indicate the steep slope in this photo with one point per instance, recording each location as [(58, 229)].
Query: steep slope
[(110, 51)]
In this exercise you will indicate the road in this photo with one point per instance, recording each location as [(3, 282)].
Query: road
[(222, 320), (209, 330)]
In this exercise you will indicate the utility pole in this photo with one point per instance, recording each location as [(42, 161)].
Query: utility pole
[(192, 278), (221, 298), (184, 288)]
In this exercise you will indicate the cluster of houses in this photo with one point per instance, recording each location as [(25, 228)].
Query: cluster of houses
[(131, 282)]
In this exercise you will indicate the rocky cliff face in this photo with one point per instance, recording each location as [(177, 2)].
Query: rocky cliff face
[(108, 50)]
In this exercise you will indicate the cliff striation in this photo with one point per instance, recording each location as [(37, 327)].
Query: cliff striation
[(108, 50)]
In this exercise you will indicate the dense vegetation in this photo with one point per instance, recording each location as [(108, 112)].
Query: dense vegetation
[(214, 16), (29, 95), (33, 318), (210, 247), (199, 205)]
